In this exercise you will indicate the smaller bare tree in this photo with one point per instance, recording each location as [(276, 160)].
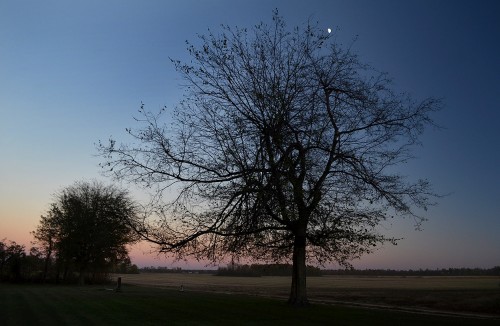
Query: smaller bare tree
[(87, 227)]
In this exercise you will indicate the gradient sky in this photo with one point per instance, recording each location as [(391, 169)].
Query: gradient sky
[(75, 72)]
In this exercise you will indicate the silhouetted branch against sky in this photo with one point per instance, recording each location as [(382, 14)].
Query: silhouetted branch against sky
[(284, 141), (75, 72)]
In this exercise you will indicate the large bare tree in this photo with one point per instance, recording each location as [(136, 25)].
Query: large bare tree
[(283, 148)]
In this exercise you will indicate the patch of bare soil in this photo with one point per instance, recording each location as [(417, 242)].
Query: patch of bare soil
[(484, 302)]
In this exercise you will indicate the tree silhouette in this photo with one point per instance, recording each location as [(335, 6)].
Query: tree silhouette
[(87, 228), (282, 150), (11, 259)]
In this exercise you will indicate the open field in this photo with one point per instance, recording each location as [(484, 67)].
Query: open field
[(464, 295), (137, 305)]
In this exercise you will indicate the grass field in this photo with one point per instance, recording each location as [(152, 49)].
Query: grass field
[(465, 295), (140, 305)]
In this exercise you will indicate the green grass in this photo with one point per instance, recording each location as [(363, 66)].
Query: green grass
[(72, 305)]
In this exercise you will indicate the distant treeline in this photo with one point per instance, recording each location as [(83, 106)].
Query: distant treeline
[(495, 271), (19, 265), (175, 270), (258, 270)]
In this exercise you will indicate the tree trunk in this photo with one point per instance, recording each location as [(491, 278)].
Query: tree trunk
[(298, 294), (65, 273), (81, 276), (46, 265)]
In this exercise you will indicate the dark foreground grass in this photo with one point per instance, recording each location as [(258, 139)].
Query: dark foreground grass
[(68, 305)]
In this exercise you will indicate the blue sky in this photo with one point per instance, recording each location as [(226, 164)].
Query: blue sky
[(75, 72)]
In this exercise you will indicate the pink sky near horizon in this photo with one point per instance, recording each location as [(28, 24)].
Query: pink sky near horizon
[(410, 253)]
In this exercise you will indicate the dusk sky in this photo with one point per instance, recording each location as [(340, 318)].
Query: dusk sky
[(75, 72)]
